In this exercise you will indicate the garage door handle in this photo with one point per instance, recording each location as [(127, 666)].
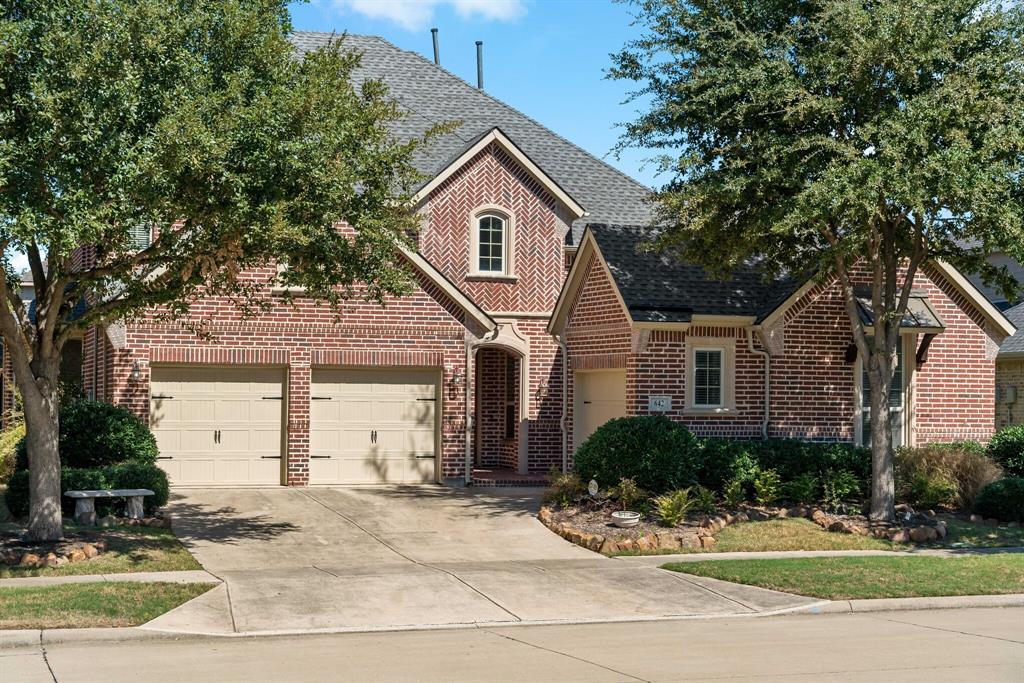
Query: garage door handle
[(586, 403), (270, 457)]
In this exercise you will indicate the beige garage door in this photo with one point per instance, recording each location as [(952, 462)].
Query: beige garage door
[(600, 395), (373, 426), (218, 426)]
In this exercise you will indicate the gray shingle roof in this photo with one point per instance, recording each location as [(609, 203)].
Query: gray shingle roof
[(1014, 344), (659, 288), (431, 95)]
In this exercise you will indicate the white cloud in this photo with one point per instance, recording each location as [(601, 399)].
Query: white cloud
[(415, 15)]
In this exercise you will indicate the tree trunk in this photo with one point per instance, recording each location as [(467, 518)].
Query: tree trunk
[(883, 488), (41, 406)]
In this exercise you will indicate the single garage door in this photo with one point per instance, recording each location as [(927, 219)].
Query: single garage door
[(218, 426), (600, 395), (373, 426)]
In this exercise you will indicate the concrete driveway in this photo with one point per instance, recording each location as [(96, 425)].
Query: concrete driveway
[(413, 557)]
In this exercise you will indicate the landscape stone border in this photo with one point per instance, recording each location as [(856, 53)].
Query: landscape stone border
[(911, 527), (57, 555)]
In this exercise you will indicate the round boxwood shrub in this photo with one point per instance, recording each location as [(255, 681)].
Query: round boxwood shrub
[(1002, 500), (97, 434), (1007, 449), (658, 454)]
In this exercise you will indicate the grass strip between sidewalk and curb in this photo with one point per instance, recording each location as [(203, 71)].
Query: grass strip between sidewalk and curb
[(856, 578), (92, 605)]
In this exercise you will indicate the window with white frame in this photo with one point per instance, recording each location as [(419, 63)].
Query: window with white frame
[(492, 240), (710, 375), (707, 378)]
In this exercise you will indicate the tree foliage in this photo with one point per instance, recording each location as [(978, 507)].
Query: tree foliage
[(844, 139), (152, 152)]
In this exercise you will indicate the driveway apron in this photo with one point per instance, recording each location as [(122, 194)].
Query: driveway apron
[(414, 557)]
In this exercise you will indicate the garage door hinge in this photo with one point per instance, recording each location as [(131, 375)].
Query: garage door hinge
[(162, 397), (319, 398), (270, 457), (272, 398), (426, 399)]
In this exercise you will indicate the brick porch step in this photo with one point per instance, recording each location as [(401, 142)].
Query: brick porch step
[(486, 477)]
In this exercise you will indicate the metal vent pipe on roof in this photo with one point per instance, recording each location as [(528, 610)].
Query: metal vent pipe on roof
[(437, 51), (480, 64)]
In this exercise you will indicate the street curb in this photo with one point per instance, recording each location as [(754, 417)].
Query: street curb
[(33, 638), (910, 604)]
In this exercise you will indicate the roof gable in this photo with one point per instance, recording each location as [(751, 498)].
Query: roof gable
[(1013, 346), (497, 137)]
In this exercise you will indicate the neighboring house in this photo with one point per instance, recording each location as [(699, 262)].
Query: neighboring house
[(998, 258), (464, 379), (750, 359), (1010, 373)]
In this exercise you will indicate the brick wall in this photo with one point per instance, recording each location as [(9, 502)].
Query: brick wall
[(813, 387), (1010, 373)]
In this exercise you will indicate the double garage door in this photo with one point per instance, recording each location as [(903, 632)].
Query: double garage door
[(224, 426)]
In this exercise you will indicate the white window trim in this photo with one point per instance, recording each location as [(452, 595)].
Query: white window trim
[(728, 349), (909, 341), (509, 246)]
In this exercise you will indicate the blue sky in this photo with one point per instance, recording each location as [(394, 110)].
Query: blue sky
[(546, 58)]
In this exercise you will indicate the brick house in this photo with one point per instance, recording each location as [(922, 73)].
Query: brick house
[(1010, 373), (750, 359), (517, 268)]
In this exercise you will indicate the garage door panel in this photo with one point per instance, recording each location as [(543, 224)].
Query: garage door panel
[(192, 405), (354, 405)]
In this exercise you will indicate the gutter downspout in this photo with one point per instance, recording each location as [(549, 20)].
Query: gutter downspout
[(565, 402), (767, 380), (471, 346)]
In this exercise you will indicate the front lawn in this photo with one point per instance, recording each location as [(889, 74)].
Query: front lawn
[(86, 605), (129, 549), (964, 534), (851, 578), (781, 534)]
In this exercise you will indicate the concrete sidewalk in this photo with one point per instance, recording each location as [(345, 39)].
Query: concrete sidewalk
[(658, 560), (191, 576)]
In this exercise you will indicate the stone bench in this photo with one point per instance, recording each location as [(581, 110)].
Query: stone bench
[(85, 502)]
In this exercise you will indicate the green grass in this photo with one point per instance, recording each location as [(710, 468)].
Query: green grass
[(86, 605), (783, 534), (129, 549), (964, 534), (851, 578)]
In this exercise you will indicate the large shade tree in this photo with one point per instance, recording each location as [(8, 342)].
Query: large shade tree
[(182, 144), (855, 140)]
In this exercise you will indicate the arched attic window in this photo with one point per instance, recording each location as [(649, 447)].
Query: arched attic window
[(492, 243)]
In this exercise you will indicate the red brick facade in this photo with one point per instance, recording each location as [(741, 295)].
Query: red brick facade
[(813, 387)]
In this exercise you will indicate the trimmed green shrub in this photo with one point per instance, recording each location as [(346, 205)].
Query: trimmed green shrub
[(96, 434), (125, 476), (766, 487), (134, 475), (673, 507), (717, 462), (1007, 449), (943, 475), (656, 453), (734, 494), (804, 489), (839, 487), (1002, 500), (629, 495), (704, 500)]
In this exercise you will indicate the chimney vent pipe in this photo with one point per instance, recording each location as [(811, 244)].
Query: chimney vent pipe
[(437, 51), (480, 64)]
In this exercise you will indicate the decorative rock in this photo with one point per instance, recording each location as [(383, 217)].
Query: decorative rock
[(29, 560), (940, 530), (609, 546), (645, 543), (667, 540), (690, 541), (977, 519), (106, 522), (741, 517), (923, 534), (818, 516), (77, 555), (62, 560), (544, 515), (50, 560), (797, 511), (840, 527), (900, 535), (707, 542), (90, 550), (626, 544)]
